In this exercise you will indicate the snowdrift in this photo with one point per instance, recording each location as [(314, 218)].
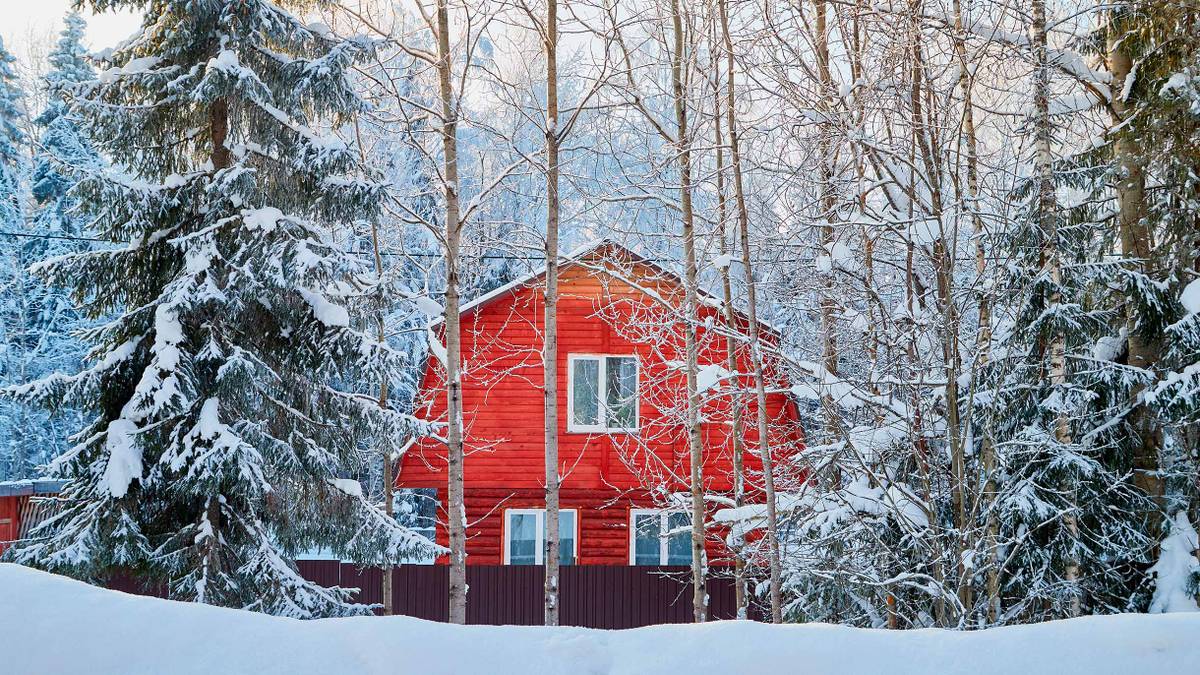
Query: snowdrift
[(51, 625)]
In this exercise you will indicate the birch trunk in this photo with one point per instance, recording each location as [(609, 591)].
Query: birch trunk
[(691, 301), (389, 467), (731, 351), (550, 348), (1047, 217), (456, 508), (756, 351)]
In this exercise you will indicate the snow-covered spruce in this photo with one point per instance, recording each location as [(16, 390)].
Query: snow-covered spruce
[(39, 319), (12, 160), (220, 431)]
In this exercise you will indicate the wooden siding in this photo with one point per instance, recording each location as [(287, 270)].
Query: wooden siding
[(10, 519), (608, 306)]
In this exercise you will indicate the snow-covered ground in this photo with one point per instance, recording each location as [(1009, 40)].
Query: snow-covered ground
[(51, 625)]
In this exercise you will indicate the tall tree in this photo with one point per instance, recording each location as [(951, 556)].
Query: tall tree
[(220, 439), (48, 317), (18, 338), (680, 63), (12, 156), (448, 110), (774, 564), (549, 31)]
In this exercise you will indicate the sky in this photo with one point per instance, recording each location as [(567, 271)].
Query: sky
[(23, 20)]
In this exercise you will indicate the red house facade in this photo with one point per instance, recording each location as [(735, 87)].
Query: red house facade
[(623, 444)]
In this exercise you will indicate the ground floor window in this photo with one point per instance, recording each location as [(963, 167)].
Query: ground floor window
[(525, 536), (417, 509), (660, 537)]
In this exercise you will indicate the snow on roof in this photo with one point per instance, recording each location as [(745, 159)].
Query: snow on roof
[(527, 278), (577, 256), (38, 486)]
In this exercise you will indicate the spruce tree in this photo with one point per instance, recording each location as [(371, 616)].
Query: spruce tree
[(1165, 124), (46, 315), (15, 336), (12, 158), (221, 439), (1146, 174), (11, 140), (1058, 399), (64, 149)]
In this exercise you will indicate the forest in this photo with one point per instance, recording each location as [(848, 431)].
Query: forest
[(974, 225)]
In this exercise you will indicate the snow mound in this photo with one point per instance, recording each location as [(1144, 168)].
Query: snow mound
[(56, 625)]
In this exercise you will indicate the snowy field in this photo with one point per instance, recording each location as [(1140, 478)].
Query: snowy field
[(51, 625)]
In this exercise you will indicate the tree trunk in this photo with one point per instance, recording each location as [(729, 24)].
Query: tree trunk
[(756, 350), (550, 348), (983, 338), (1047, 217), (389, 467), (691, 300), (218, 120), (1136, 245), (456, 508), (828, 205), (731, 348)]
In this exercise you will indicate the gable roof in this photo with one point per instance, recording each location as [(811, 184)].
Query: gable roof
[(578, 256)]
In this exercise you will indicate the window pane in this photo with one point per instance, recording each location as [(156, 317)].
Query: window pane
[(417, 509), (621, 391), (585, 383), (679, 539), (646, 539), (566, 537), (523, 539)]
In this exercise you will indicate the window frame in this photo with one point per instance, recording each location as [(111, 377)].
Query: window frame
[(539, 551), (663, 541), (432, 494), (602, 394)]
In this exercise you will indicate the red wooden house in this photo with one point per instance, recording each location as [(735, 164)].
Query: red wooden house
[(622, 439)]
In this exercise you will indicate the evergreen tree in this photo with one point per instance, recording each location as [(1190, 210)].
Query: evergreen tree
[(1165, 123), (15, 334), (11, 141), (64, 149), (1059, 400), (220, 439), (1145, 174), (46, 316)]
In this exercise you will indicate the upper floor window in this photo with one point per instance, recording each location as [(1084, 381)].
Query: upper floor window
[(660, 537), (525, 536), (602, 393)]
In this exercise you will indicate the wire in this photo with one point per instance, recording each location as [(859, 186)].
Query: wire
[(97, 240), (486, 256)]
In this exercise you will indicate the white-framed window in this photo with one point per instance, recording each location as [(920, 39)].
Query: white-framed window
[(602, 393), (525, 536), (660, 537)]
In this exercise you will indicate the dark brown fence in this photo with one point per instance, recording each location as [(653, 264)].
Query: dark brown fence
[(595, 596)]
